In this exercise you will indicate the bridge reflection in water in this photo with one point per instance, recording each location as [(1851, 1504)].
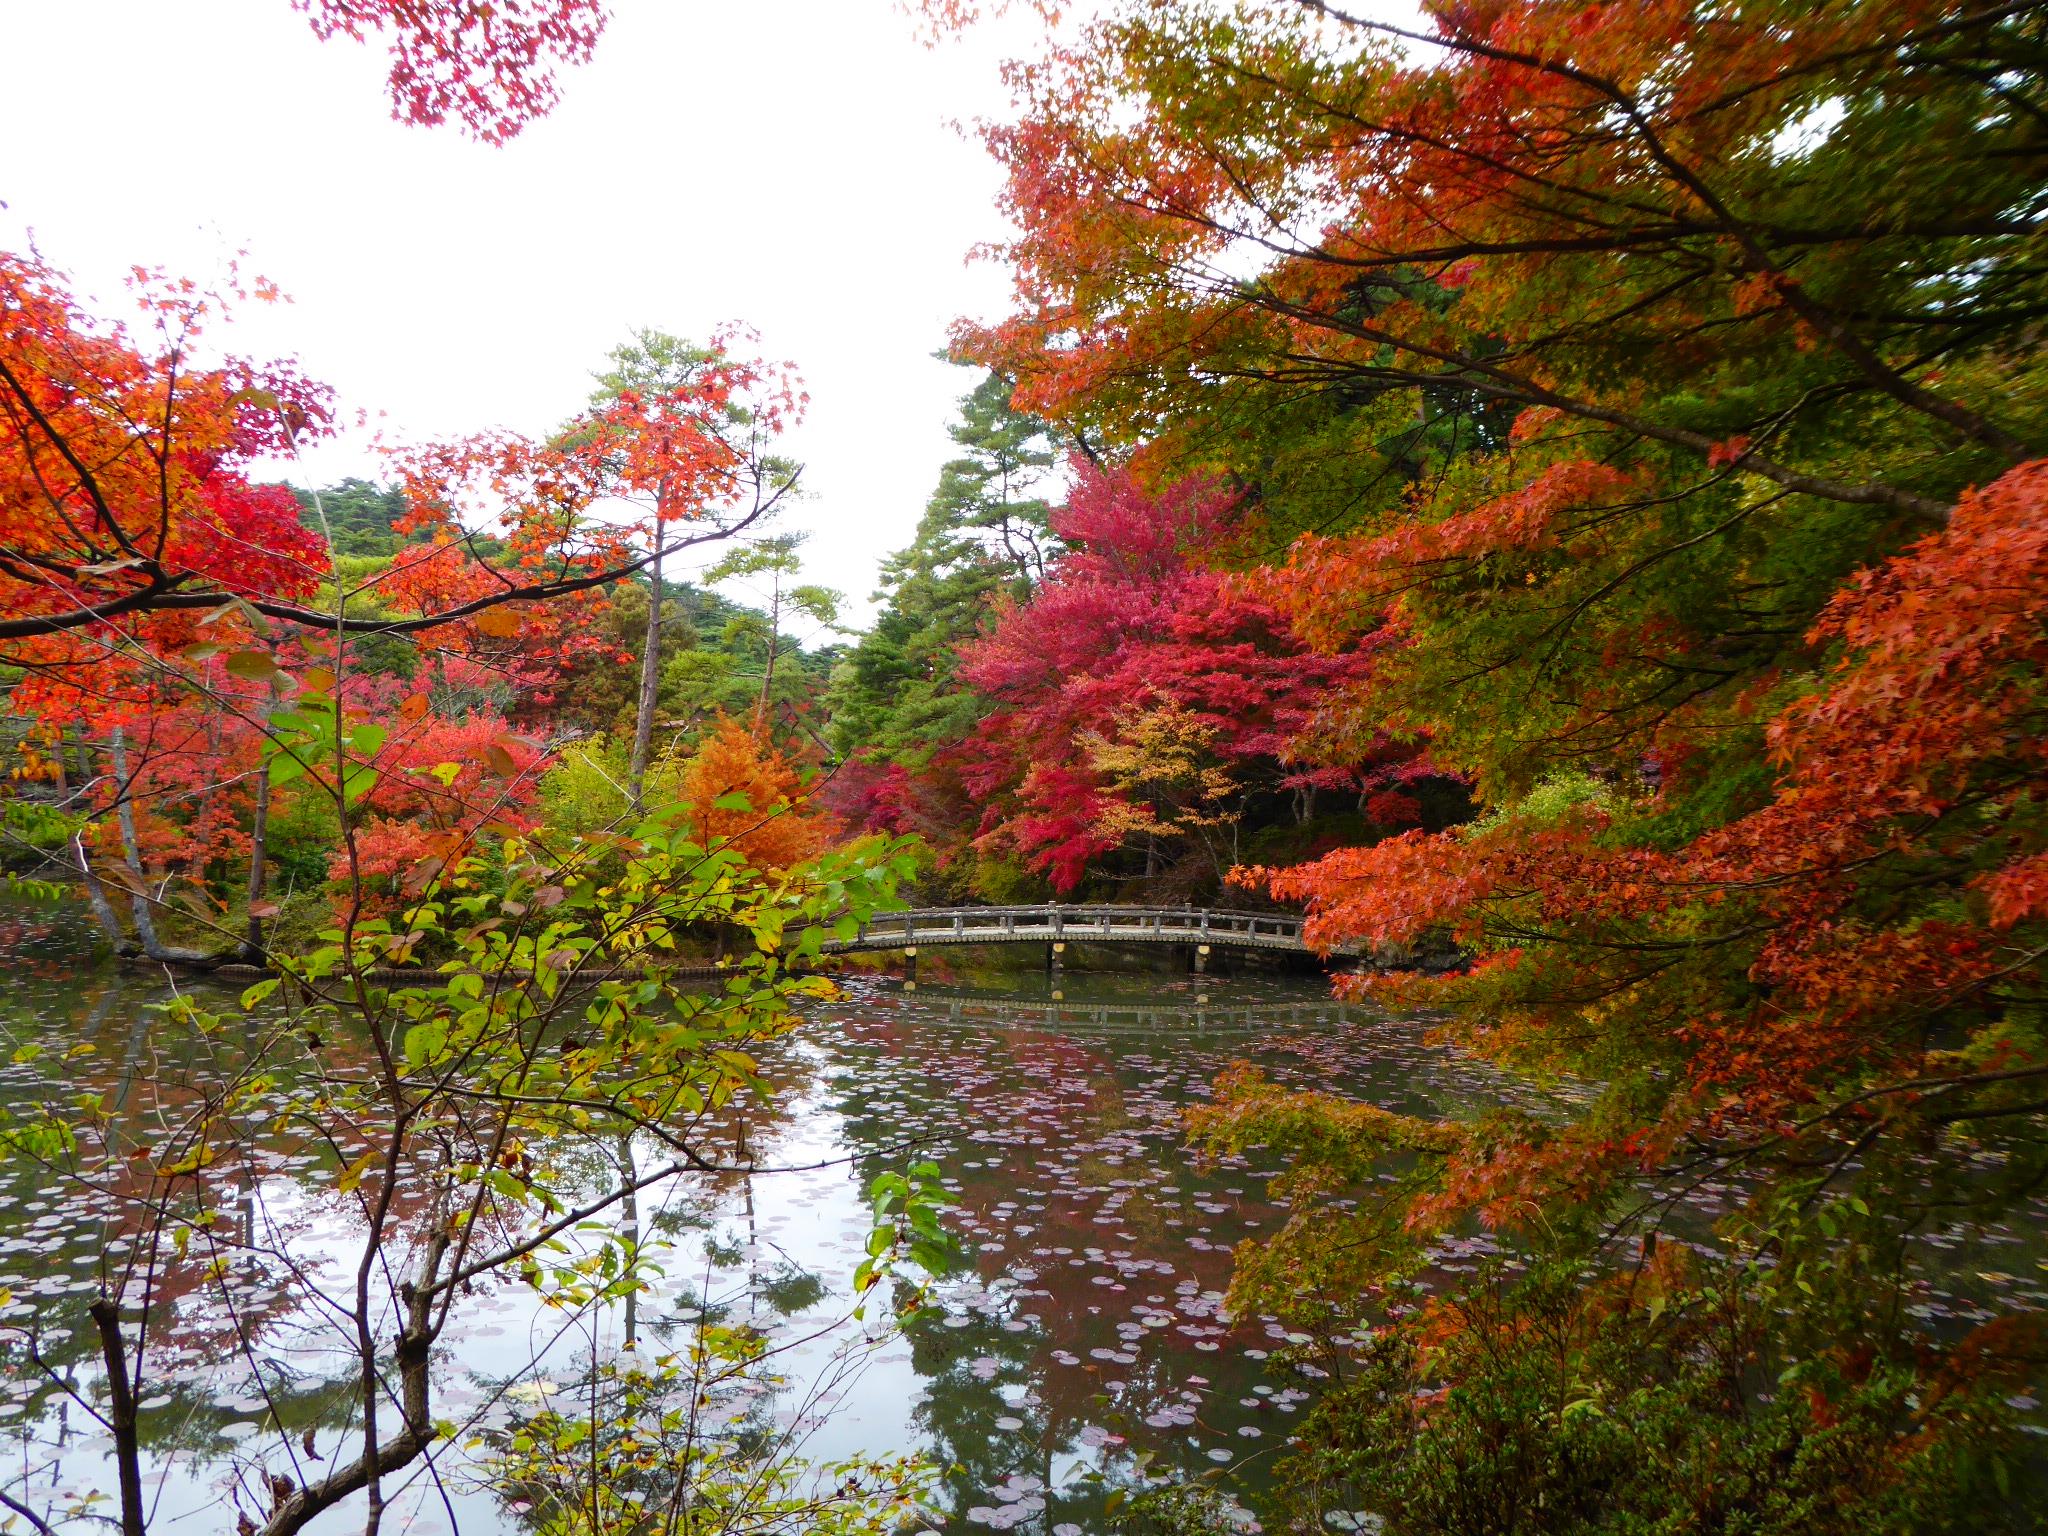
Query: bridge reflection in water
[(1201, 1013)]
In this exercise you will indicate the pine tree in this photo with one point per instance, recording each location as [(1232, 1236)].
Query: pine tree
[(985, 534)]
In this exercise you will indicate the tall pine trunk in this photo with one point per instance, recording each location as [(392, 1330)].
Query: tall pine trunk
[(768, 667), (650, 679)]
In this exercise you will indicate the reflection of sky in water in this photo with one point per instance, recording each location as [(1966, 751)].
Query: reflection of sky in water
[(1091, 1325), (1085, 1327)]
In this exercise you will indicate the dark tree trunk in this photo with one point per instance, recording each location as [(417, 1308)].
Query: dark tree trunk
[(106, 1317)]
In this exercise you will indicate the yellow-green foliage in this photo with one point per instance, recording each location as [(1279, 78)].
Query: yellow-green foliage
[(585, 790)]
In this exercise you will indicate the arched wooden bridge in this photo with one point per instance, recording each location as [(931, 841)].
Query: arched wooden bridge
[(1055, 924)]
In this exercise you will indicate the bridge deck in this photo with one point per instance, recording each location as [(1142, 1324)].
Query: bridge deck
[(928, 927)]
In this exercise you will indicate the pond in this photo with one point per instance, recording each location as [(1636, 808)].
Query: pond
[(1082, 1338)]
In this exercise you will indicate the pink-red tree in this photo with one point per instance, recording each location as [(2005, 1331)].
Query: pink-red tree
[(1144, 699)]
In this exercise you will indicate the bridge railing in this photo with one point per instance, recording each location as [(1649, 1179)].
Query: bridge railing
[(1056, 920)]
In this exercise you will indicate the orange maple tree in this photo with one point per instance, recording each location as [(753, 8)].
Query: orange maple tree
[(738, 790)]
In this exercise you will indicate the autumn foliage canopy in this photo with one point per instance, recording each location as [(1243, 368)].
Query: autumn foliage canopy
[(1653, 392), (1138, 694)]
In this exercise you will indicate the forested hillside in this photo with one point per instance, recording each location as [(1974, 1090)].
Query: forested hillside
[(490, 670)]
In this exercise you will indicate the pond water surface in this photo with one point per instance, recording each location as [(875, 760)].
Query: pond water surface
[(1082, 1338)]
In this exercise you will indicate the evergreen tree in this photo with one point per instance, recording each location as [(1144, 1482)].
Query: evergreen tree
[(359, 514), (985, 535)]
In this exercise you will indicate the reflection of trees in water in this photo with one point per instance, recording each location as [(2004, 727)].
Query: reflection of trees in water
[(225, 1338), (694, 1425), (1046, 1128), (1066, 1117), (993, 1416), (235, 1330), (1064, 1154), (983, 1412), (220, 1297)]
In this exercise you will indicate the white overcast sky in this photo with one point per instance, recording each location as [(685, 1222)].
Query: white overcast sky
[(787, 163)]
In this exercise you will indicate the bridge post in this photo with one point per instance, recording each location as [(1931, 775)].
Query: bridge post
[(1055, 960), (910, 963), (1199, 962)]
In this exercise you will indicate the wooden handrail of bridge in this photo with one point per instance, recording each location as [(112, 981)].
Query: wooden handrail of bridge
[(1053, 922)]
